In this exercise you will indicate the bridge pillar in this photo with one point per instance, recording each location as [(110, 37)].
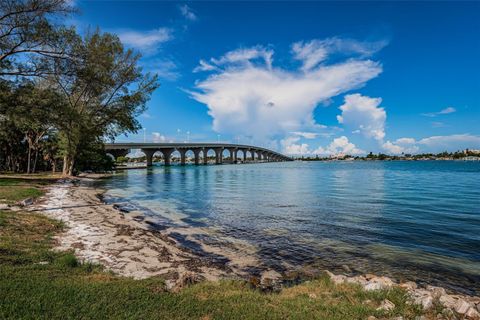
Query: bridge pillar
[(196, 156), (149, 155), (233, 155), (166, 155), (218, 155), (259, 156), (244, 155), (183, 153), (205, 155), (252, 154)]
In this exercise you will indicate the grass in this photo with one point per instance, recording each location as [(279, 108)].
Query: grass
[(36, 282), (17, 188)]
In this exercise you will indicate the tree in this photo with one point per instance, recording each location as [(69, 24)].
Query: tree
[(104, 90), (26, 34)]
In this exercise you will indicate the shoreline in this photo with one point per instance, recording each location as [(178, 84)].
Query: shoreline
[(124, 244)]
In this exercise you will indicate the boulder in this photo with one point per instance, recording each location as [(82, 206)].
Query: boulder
[(472, 313), (270, 280), (4, 206), (378, 283), (26, 202), (447, 301), (423, 298), (437, 292), (462, 306), (409, 285), (386, 305), (337, 279)]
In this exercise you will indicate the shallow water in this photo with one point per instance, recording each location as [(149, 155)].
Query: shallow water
[(409, 220)]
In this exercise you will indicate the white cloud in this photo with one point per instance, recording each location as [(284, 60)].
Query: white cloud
[(148, 41), (187, 12), (339, 146), (313, 52), (402, 145), (157, 137), (433, 144), (451, 142), (165, 69), (247, 95), (447, 110), (245, 57), (290, 146), (306, 135), (363, 115)]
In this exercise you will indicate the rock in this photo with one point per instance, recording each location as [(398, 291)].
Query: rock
[(378, 283), (312, 296), (337, 279), (478, 307), (4, 206), (369, 276), (371, 286), (472, 313), (386, 305), (26, 202), (409, 285), (423, 298), (437, 292), (185, 280), (447, 301), (371, 318), (397, 318), (346, 268), (270, 280), (462, 306)]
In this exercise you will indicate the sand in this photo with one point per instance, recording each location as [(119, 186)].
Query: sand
[(99, 233)]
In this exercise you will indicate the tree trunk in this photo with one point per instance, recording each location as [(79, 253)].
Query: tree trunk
[(68, 163), (28, 159), (35, 161)]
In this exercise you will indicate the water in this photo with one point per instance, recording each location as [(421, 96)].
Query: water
[(410, 220)]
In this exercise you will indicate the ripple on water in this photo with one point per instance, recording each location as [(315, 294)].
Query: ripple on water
[(418, 220)]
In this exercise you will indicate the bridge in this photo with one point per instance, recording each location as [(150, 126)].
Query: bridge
[(249, 153)]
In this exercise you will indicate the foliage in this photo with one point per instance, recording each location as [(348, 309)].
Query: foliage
[(27, 35), (62, 94)]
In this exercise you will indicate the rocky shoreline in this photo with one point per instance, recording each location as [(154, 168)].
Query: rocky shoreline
[(427, 297), (100, 233)]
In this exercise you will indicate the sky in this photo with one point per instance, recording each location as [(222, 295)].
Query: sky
[(305, 78)]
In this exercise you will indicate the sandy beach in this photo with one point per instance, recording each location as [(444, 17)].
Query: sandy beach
[(99, 233)]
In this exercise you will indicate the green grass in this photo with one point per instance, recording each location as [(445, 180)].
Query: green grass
[(36, 282), (17, 188)]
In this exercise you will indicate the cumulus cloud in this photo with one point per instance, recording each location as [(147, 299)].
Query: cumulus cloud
[(433, 144), (246, 94), (363, 115), (187, 12), (313, 52), (443, 111), (402, 145), (451, 142), (338, 147), (148, 41)]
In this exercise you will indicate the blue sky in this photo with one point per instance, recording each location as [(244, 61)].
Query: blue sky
[(306, 77)]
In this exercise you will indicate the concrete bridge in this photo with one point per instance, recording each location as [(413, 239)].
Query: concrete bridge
[(249, 153)]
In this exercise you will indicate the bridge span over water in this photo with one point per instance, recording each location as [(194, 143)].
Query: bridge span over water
[(249, 153)]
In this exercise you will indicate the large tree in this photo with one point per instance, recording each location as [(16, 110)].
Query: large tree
[(104, 90), (28, 32)]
